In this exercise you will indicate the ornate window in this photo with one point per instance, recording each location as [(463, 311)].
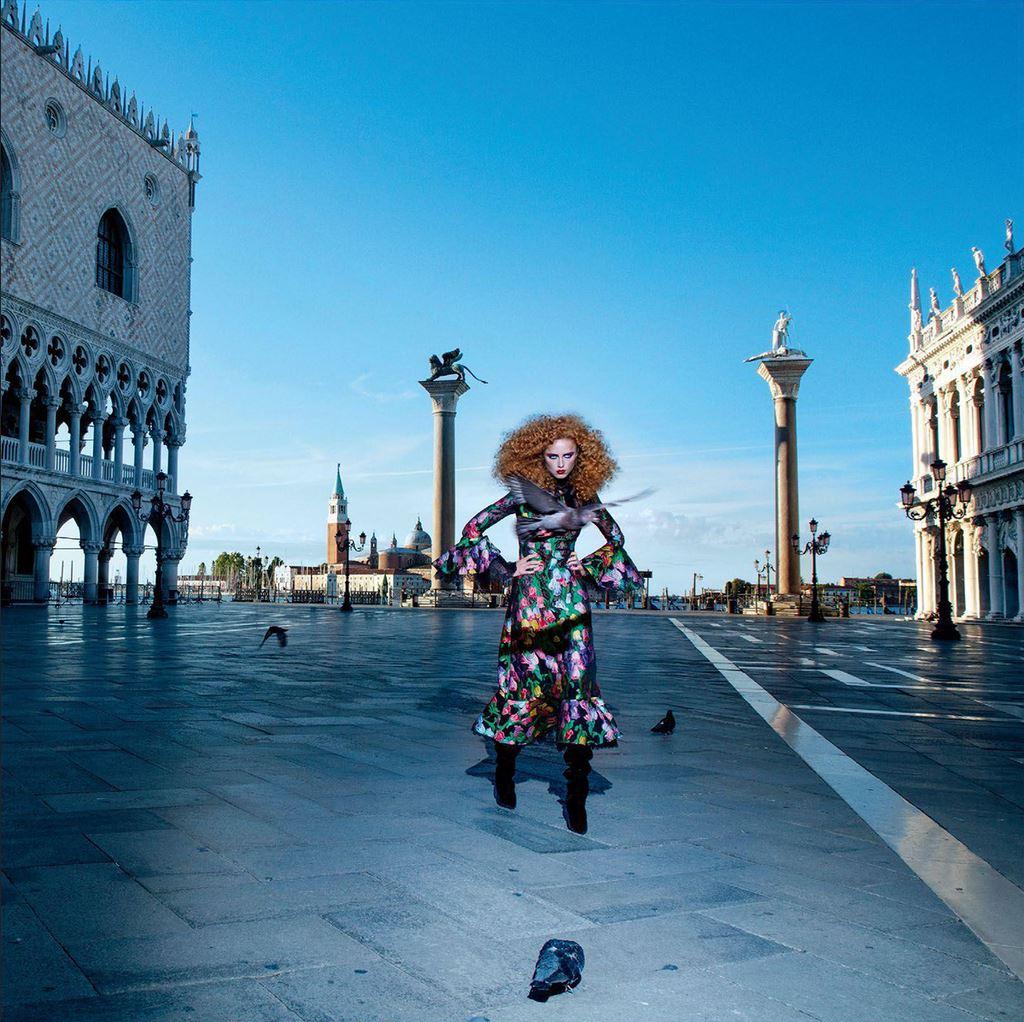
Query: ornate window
[(55, 119), (113, 255), (151, 188), (954, 415)]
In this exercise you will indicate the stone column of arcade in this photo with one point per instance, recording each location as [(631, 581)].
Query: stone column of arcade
[(782, 368), (444, 394), (131, 578), (41, 575)]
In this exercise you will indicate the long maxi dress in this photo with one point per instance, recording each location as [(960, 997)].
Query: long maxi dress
[(547, 671)]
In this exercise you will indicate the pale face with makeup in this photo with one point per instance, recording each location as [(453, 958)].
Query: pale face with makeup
[(560, 458)]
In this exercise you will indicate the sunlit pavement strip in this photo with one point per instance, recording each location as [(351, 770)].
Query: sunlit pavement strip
[(983, 898), (889, 713)]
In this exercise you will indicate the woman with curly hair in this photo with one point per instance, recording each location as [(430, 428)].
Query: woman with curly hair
[(547, 677)]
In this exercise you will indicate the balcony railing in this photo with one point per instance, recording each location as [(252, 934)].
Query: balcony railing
[(9, 451)]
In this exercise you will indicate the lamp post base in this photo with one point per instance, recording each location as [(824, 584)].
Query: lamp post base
[(945, 631), (346, 608), (816, 616), (158, 612)]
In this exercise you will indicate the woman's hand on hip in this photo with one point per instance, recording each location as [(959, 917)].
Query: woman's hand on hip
[(573, 563), (528, 565)]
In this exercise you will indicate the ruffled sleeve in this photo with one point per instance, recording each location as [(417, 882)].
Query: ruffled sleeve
[(475, 552), (610, 567)]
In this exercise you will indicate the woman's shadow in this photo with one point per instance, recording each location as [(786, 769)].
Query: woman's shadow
[(544, 763)]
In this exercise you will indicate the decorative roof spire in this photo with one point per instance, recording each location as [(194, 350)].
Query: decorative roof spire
[(915, 303), (339, 490)]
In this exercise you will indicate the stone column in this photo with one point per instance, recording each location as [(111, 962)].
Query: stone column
[(972, 595), (991, 409), (97, 445), (915, 436), (158, 436), (131, 578), (173, 446), (1018, 521), (995, 568), (119, 425), (783, 374), (25, 395), (51, 404), (41, 571), (169, 576), (1016, 367), (75, 428), (919, 565), (444, 395), (103, 574), (139, 439), (92, 552)]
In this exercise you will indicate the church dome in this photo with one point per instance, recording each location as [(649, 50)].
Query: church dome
[(417, 539)]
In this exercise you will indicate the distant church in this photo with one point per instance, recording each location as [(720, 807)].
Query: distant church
[(394, 570)]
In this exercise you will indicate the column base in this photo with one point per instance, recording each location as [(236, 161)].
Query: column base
[(786, 605)]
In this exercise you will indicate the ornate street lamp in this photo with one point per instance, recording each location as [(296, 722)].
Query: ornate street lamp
[(258, 581), (159, 512), (815, 546), (948, 503), (348, 544)]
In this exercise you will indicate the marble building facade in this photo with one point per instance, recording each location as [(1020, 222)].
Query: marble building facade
[(95, 257), (964, 371)]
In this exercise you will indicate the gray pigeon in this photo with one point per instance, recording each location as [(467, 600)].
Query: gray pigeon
[(556, 515), (559, 968), (280, 633)]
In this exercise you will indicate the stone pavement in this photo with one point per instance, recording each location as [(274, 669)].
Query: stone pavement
[(198, 829)]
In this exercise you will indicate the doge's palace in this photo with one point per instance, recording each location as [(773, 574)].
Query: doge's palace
[(97, 200), (967, 408)]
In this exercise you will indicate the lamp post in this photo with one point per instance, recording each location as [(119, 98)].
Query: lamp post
[(814, 546), (342, 541), (757, 584), (258, 580), (159, 512), (948, 503), (693, 595), (768, 569)]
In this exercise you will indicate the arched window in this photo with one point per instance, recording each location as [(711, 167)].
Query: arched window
[(114, 255), (8, 198)]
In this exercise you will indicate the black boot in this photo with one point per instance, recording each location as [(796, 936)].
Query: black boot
[(504, 774), (577, 759)]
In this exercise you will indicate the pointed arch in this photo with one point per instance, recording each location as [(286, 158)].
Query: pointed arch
[(116, 255), (121, 518), (79, 504), (34, 499), (10, 191)]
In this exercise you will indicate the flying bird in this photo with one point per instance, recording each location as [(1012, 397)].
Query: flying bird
[(559, 968), (280, 633), (666, 725), (556, 515)]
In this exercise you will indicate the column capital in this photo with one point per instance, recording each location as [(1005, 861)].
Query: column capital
[(24, 392), (92, 548), (118, 421), (133, 551), (174, 441), (783, 374), (157, 433), (52, 401), (444, 394), (48, 542)]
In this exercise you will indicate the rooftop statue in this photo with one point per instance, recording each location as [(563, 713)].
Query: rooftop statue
[(958, 288), (979, 260), (933, 303), (1008, 244)]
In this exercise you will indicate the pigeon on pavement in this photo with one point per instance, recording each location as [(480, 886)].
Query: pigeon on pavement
[(559, 968), (666, 725), (280, 633)]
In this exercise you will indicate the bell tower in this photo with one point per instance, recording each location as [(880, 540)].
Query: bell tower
[(337, 521)]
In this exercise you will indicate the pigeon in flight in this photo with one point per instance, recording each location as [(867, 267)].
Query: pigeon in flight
[(280, 633), (666, 725), (556, 515), (559, 968)]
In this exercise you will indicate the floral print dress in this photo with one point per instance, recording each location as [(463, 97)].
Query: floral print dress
[(547, 672)]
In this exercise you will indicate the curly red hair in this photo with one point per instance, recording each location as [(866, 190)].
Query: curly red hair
[(522, 449)]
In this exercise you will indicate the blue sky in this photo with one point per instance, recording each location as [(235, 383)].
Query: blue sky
[(604, 205)]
